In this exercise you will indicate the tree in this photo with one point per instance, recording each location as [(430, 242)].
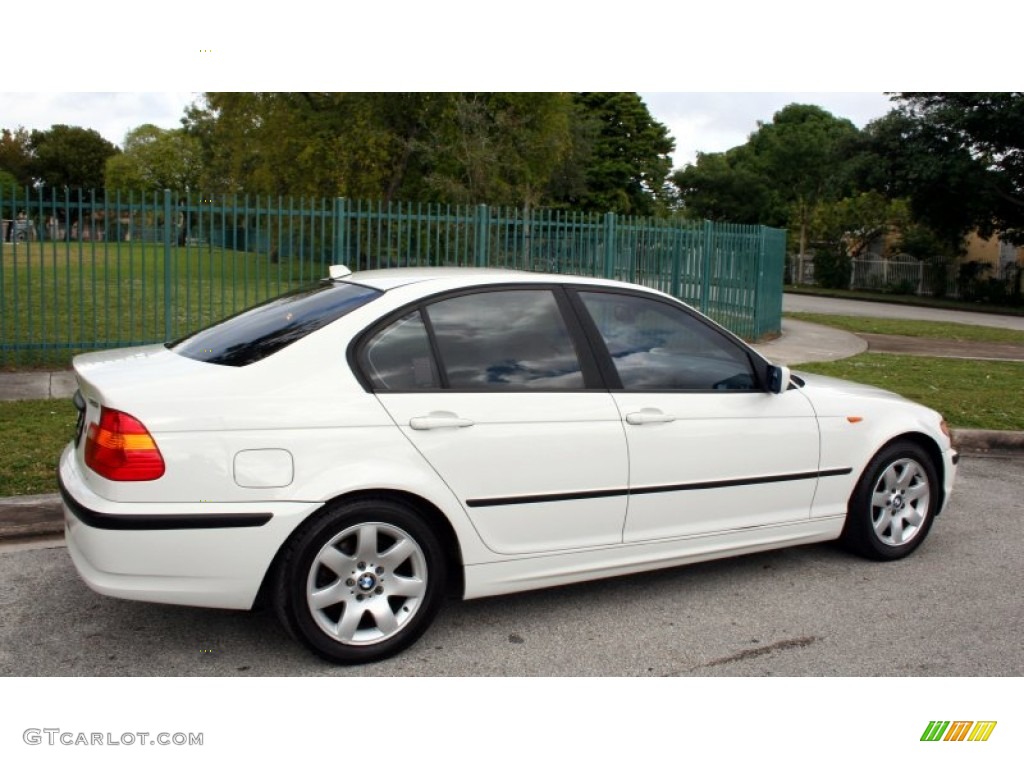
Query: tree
[(69, 156), (729, 186), (16, 155), (905, 157), (787, 168), (501, 148), (628, 162), (989, 128), (847, 228), (155, 158), (804, 151)]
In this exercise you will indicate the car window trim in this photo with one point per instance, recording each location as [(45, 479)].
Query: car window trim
[(607, 364), (593, 381)]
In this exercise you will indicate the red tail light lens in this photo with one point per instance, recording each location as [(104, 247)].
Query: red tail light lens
[(121, 448)]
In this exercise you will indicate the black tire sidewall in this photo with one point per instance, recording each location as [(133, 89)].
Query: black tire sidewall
[(308, 543), (859, 532)]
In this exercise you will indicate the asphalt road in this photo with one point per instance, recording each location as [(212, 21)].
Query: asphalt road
[(956, 607)]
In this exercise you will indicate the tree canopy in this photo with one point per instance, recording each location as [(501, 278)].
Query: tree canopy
[(785, 170), (596, 151), (155, 158), (69, 156)]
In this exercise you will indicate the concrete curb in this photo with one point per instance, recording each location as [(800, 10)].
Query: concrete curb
[(25, 517)]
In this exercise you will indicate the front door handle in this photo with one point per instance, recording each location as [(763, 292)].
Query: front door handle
[(439, 420), (648, 416)]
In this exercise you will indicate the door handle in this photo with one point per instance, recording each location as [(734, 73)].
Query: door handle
[(439, 420), (648, 416)]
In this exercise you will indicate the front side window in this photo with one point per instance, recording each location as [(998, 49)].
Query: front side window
[(655, 346), (505, 340)]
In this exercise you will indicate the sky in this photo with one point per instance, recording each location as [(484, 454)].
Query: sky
[(699, 122)]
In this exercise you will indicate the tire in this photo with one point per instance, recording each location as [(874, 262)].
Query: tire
[(361, 581), (894, 504)]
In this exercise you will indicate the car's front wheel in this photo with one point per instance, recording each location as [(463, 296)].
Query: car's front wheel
[(362, 581), (893, 506)]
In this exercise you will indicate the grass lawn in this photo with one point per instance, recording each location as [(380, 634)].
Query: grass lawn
[(913, 300), (969, 393), (59, 299), (920, 328), (33, 433)]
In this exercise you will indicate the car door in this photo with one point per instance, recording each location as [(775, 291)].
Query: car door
[(493, 389), (709, 449)]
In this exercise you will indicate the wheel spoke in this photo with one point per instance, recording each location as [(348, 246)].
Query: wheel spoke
[(890, 479), (337, 561), (397, 554), (880, 499), (366, 542), (349, 623), (330, 595), (402, 586), (897, 529), (384, 616), (882, 523), (914, 517), (908, 473), (916, 492)]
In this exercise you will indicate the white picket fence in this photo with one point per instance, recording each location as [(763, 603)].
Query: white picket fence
[(900, 274)]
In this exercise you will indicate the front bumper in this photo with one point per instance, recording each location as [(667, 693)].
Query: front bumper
[(187, 554)]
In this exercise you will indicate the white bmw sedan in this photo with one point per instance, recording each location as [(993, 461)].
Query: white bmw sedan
[(355, 451)]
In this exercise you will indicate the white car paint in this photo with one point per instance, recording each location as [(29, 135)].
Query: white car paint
[(284, 436)]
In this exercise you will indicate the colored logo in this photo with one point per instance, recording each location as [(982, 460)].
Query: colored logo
[(958, 730)]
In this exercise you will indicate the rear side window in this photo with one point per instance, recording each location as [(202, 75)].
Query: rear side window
[(260, 331), (510, 340)]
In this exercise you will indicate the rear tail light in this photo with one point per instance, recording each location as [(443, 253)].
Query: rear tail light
[(121, 448)]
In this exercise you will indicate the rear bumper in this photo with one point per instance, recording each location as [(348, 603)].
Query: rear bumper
[(186, 554)]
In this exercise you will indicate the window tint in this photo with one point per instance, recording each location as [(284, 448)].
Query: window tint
[(399, 357), (505, 340), (656, 346), (262, 330)]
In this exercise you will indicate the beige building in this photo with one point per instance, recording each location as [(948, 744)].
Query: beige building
[(993, 251)]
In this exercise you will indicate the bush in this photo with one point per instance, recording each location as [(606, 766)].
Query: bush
[(832, 268)]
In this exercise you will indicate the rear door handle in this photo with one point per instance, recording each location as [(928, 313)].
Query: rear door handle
[(439, 420), (648, 416)]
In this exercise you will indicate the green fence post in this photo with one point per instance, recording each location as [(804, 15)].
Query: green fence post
[(758, 283), (705, 269), (677, 263), (338, 257), (609, 245), (168, 224), (482, 256)]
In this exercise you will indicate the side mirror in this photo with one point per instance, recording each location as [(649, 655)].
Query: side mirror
[(778, 379)]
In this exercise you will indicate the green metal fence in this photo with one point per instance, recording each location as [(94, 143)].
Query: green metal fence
[(85, 270)]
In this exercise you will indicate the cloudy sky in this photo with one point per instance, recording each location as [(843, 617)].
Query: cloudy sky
[(704, 122)]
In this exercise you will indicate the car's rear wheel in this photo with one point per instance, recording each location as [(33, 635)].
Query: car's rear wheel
[(894, 503), (362, 581)]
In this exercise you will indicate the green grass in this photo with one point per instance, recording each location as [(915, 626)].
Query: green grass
[(969, 393), (66, 298), (911, 300), (33, 433), (925, 329)]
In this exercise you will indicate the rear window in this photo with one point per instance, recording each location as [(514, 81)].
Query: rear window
[(260, 331)]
